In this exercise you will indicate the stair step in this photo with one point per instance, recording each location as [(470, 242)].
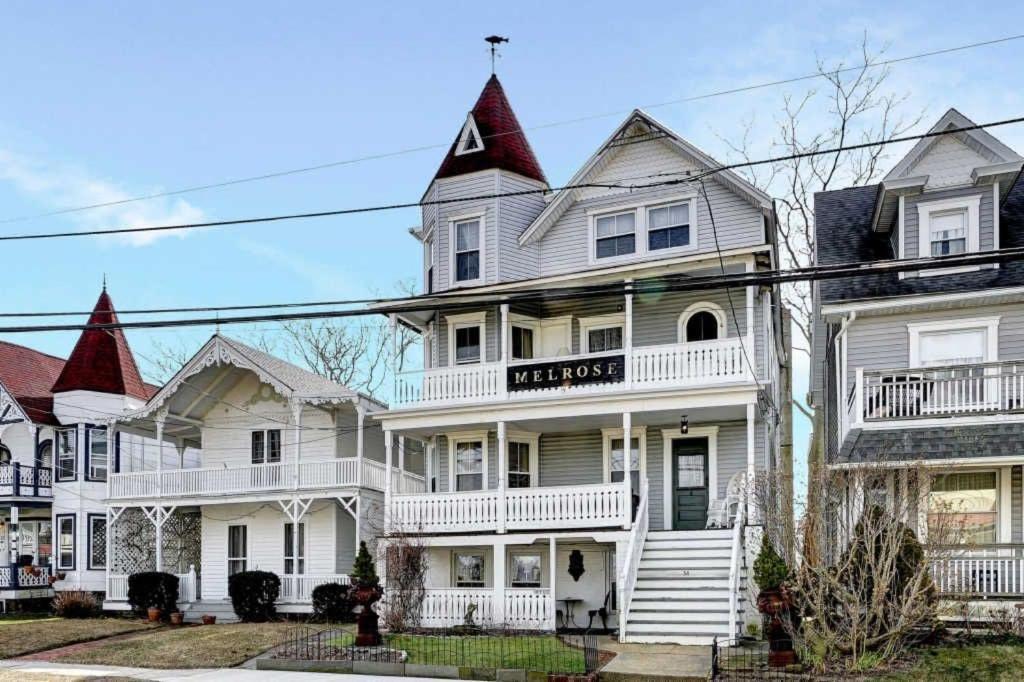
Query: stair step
[(695, 543), (686, 640), (710, 629), (723, 554), (681, 573), (681, 617), (695, 603), (658, 535), (683, 563), (691, 583)]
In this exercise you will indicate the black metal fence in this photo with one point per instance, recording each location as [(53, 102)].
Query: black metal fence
[(571, 654), (751, 659)]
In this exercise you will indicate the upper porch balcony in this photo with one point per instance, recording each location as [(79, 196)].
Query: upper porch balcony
[(18, 480)]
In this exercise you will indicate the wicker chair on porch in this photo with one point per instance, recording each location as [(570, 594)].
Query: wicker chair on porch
[(722, 511)]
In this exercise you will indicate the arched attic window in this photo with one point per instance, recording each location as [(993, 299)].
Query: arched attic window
[(701, 322), (44, 454)]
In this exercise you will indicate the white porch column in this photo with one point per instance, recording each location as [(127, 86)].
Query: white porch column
[(296, 407), (360, 420), (498, 608), (161, 418), (751, 291), (387, 480), (627, 456), (428, 463), (401, 464), (627, 333), (110, 468), (751, 441), (502, 474), (552, 579), (503, 377)]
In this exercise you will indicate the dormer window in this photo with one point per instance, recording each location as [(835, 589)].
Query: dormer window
[(470, 140), (948, 232), (949, 227)]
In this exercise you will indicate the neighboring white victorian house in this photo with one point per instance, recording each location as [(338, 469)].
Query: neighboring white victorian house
[(586, 453), (276, 446)]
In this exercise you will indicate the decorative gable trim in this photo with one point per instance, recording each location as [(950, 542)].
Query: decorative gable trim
[(10, 409), (606, 152)]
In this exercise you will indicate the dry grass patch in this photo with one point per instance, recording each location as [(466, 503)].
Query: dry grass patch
[(205, 646), (21, 637)]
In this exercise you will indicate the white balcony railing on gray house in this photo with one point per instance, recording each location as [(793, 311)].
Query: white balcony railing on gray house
[(578, 506), (981, 572), (697, 364), (256, 478)]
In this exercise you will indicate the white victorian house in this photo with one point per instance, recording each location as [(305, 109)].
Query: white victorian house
[(586, 449), (288, 478)]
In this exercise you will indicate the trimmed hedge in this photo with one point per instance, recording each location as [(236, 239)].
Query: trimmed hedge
[(153, 588), (332, 603), (253, 594)]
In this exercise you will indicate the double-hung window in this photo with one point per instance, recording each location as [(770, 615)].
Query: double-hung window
[(469, 570), (469, 465), (604, 339), (238, 549), (947, 232), (66, 542), (520, 472), (67, 453), (467, 344), (266, 446), (949, 227), (668, 227), (99, 458), (467, 250), (291, 566), (615, 235)]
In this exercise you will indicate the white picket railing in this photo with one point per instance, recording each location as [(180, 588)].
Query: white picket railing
[(702, 363), (446, 607), (117, 588), (209, 481), (188, 586), (299, 588), (528, 609), (24, 576), (690, 364), (735, 564), (631, 560), (580, 506), (989, 387), (990, 571)]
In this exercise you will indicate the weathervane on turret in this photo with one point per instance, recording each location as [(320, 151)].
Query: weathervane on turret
[(495, 41)]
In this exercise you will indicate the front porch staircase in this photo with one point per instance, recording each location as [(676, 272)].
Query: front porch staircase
[(214, 607), (682, 588)]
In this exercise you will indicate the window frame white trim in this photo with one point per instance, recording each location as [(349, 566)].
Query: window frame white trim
[(265, 430), (453, 222), (610, 434), (469, 127), (521, 552), (303, 557), (669, 435), (641, 231), (462, 321), (533, 441), (470, 551), (456, 437), (972, 203), (1004, 498), (701, 307), (989, 324), (589, 324)]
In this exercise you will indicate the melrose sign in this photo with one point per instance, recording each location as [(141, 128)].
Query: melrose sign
[(603, 370)]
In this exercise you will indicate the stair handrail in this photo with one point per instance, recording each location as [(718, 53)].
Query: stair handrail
[(738, 525), (631, 562)]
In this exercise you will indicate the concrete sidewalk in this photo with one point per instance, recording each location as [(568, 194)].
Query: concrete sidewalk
[(76, 671), (656, 662)]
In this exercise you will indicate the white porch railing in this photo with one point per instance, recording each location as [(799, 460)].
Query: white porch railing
[(735, 563), (704, 363), (910, 393), (581, 506), (13, 577), (991, 571), (528, 608), (299, 588), (446, 607), (631, 560), (213, 481), (188, 586)]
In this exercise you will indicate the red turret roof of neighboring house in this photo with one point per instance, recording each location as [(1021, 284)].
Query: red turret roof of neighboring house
[(102, 361), (28, 375), (504, 143)]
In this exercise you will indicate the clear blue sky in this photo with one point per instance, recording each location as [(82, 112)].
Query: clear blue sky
[(108, 100)]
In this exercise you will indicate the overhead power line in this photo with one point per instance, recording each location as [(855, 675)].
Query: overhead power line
[(689, 177), (552, 124), (669, 283)]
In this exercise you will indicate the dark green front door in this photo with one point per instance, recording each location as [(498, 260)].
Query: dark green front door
[(689, 483)]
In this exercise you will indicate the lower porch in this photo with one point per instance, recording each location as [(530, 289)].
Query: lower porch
[(26, 545)]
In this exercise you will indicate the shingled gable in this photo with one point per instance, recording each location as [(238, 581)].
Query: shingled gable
[(102, 361), (638, 127), (27, 375), (495, 140)]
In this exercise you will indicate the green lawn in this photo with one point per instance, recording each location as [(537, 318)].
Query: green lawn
[(544, 653), (20, 636), (981, 662)]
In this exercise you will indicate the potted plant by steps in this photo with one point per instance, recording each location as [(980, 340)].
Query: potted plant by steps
[(177, 618), (209, 620), (154, 614), (366, 592), (776, 603)]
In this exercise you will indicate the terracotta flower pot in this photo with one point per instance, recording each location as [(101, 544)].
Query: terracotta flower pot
[(177, 618), (209, 620), (154, 614)]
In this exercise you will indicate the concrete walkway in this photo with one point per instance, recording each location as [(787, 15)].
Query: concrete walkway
[(72, 670), (655, 662)]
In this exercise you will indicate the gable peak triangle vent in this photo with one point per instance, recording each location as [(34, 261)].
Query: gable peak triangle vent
[(470, 140)]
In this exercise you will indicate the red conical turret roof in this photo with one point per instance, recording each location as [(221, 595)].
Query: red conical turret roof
[(504, 143), (102, 360)]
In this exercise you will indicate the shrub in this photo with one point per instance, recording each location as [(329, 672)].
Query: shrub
[(769, 569), (363, 572), (253, 594), (153, 588), (332, 603), (76, 604)]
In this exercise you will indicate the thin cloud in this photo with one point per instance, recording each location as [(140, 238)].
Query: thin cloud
[(57, 186), (323, 279)]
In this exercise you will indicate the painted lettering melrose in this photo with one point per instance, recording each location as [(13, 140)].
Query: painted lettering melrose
[(601, 370)]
